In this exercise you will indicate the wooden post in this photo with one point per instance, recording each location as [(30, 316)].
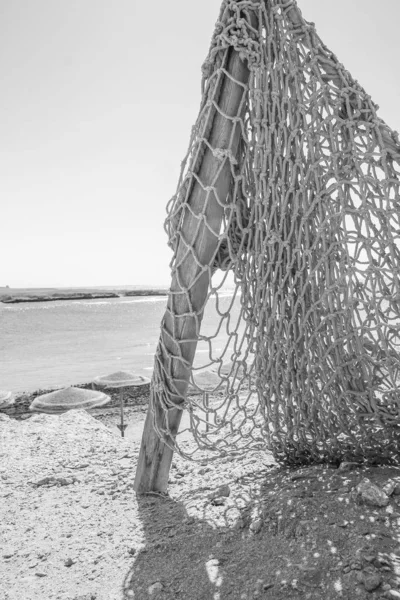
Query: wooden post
[(155, 456), (206, 405)]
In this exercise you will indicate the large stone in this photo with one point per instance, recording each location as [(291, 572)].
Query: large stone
[(155, 588), (371, 494), (371, 582)]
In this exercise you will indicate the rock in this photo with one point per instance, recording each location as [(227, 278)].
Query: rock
[(9, 552), (43, 481), (52, 480), (371, 494), (304, 474), (222, 491), (204, 470), (132, 551), (155, 588), (256, 526), (239, 524), (219, 501), (40, 574), (382, 561), (68, 562), (371, 582), (348, 466), (312, 576), (369, 557), (389, 487), (392, 594)]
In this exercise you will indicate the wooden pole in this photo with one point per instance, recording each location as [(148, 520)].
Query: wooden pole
[(206, 405), (155, 456)]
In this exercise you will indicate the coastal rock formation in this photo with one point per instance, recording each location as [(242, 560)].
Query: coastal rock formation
[(57, 296), (17, 298), (146, 293)]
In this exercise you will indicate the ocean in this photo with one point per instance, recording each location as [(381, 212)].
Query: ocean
[(49, 344)]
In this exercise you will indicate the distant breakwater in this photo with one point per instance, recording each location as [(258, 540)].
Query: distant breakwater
[(11, 299)]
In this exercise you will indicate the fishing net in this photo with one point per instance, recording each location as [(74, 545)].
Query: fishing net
[(298, 334)]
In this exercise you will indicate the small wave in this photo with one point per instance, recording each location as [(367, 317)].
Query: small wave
[(52, 305), (57, 304), (144, 299)]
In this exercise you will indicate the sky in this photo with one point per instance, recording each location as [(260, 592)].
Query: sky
[(97, 102)]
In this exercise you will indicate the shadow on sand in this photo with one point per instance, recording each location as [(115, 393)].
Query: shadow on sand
[(297, 534), (187, 557)]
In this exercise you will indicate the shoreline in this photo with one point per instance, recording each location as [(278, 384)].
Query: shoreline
[(26, 296), (133, 396)]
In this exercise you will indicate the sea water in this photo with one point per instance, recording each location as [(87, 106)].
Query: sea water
[(49, 344)]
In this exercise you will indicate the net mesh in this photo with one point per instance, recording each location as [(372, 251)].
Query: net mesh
[(298, 335)]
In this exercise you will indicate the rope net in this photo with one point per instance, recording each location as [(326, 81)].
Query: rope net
[(298, 337)]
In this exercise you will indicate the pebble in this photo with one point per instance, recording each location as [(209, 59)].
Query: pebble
[(218, 501), (256, 526), (382, 561), (239, 524), (222, 491), (348, 466), (371, 582), (155, 588), (369, 557), (267, 586), (204, 470), (389, 488), (68, 562)]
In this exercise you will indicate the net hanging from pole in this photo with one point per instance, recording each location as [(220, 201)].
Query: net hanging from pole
[(299, 336)]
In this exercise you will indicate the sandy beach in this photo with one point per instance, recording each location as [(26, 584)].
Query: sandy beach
[(236, 528)]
